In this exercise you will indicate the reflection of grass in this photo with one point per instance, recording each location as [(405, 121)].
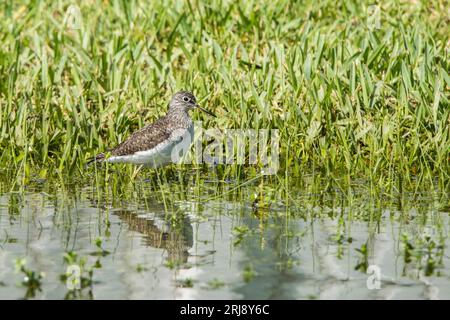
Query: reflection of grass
[(287, 264), (345, 97)]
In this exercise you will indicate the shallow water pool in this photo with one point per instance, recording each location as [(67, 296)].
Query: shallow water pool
[(203, 241)]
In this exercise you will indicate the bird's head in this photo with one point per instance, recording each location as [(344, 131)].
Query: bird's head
[(185, 101)]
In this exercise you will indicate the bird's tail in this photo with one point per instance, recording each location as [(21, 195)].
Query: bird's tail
[(98, 158)]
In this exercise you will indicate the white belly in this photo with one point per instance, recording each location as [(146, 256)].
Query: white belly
[(166, 152)]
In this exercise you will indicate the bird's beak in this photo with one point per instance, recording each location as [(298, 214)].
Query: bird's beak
[(204, 110)]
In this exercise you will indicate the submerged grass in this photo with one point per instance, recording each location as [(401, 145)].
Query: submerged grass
[(345, 96)]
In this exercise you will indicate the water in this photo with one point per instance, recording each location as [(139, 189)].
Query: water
[(187, 241)]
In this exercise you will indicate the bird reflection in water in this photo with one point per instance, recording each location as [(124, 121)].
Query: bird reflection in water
[(176, 237)]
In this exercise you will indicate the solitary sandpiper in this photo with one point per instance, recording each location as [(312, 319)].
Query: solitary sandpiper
[(153, 144)]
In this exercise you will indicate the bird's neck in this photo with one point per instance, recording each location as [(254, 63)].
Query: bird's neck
[(178, 119)]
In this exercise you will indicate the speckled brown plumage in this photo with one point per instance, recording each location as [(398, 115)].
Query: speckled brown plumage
[(144, 139)]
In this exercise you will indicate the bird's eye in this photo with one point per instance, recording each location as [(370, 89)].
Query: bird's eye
[(185, 99)]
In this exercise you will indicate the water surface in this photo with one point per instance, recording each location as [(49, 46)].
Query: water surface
[(208, 240)]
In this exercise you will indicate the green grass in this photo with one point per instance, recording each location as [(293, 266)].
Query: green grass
[(346, 98)]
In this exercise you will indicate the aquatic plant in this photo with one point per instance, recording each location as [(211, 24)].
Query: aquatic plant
[(32, 280)]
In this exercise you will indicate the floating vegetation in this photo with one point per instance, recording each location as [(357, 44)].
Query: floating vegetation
[(215, 284), (248, 273), (32, 280)]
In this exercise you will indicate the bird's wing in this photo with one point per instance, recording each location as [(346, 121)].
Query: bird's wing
[(144, 139)]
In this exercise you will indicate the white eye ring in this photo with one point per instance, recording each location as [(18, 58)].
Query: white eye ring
[(186, 99)]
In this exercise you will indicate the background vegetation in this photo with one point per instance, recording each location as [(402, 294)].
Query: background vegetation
[(345, 96)]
